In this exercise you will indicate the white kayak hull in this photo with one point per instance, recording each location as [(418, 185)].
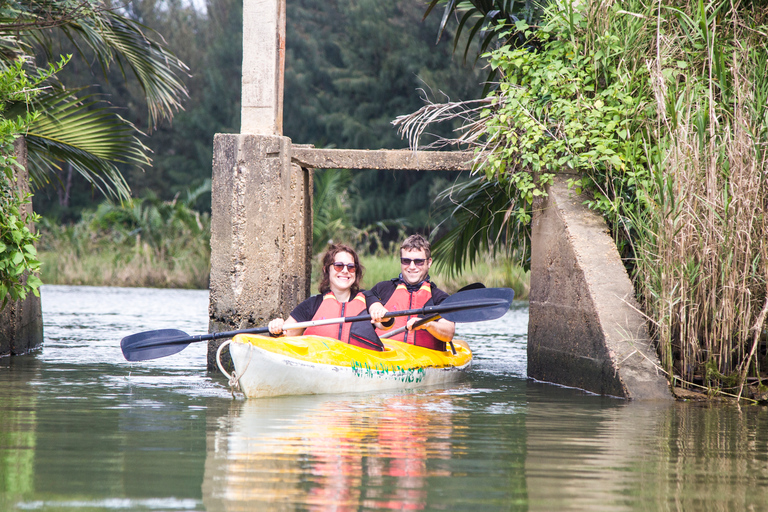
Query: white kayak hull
[(261, 372)]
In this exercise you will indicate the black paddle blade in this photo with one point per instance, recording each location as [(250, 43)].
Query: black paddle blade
[(499, 298), (153, 344), (472, 286), (363, 334)]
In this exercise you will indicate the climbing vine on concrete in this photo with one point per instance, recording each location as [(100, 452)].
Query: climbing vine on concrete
[(563, 108), (18, 257)]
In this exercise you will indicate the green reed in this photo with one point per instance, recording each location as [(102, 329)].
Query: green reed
[(148, 243), (701, 237)]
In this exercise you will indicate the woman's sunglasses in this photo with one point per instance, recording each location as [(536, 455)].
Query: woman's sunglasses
[(407, 262), (339, 266)]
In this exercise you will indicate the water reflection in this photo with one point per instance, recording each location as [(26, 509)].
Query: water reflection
[(676, 456), (546, 449), (375, 451), (82, 429)]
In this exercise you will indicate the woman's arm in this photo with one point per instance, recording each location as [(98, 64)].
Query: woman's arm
[(280, 326)]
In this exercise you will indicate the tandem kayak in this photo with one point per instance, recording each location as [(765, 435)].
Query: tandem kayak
[(304, 365)]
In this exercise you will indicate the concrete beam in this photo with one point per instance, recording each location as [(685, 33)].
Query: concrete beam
[(263, 67), (261, 233), (386, 159), (585, 329)]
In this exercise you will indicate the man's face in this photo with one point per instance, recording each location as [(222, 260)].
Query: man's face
[(413, 273)]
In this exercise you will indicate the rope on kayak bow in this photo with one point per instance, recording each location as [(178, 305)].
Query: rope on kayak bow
[(234, 378)]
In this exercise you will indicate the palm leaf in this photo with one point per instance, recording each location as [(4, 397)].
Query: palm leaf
[(481, 212), (91, 137), (112, 38)]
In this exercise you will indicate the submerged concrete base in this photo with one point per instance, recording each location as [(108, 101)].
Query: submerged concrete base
[(21, 327), (261, 233), (585, 329)]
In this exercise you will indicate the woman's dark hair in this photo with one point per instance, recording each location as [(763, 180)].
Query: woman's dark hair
[(330, 258)]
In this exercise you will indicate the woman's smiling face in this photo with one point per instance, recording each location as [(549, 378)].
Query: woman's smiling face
[(342, 280)]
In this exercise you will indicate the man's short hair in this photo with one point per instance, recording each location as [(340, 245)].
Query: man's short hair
[(416, 243)]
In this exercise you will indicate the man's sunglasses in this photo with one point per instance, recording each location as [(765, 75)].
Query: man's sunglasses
[(339, 266), (407, 261)]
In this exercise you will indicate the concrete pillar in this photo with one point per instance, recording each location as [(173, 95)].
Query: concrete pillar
[(585, 329), (261, 233), (263, 67), (21, 322)]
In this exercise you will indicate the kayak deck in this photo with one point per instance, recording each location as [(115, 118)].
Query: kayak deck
[(321, 350)]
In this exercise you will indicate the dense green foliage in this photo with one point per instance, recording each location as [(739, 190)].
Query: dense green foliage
[(659, 113), (18, 257), (147, 242), (351, 68)]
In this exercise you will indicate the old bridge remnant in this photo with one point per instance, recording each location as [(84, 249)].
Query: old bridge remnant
[(261, 238)]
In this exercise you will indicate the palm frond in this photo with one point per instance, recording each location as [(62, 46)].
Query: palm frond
[(91, 137), (111, 37), (482, 215), (156, 68)]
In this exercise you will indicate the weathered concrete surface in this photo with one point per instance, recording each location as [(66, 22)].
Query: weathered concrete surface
[(261, 233), (21, 322), (263, 67), (387, 159), (584, 329)]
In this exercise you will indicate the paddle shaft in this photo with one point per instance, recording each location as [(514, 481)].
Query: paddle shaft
[(416, 324), (457, 306), (404, 328)]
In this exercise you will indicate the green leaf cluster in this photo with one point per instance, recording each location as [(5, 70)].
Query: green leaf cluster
[(18, 257), (565, 109)]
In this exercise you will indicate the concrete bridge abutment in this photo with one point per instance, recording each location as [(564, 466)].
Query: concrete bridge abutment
[(585, 328), (261, 233)]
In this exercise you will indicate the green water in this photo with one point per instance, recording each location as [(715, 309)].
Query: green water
[(82, 429)]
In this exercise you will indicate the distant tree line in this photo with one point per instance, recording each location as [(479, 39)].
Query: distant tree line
[(351, 68)]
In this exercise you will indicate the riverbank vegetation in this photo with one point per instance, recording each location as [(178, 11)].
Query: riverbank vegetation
[(147, 242), (166, 244), (662, 109)]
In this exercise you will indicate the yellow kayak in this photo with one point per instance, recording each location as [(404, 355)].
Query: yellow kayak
[(300, 365)]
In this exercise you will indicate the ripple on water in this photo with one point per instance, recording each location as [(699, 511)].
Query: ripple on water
[(499, 346)]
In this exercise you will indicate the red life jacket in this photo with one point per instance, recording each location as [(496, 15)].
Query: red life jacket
[(403, 299), (332, 308)]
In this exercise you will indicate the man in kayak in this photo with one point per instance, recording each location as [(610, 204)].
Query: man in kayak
[(410, 290), (339, 296)]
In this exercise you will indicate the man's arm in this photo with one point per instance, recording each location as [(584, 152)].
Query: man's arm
[(375, 303), (441, 329)]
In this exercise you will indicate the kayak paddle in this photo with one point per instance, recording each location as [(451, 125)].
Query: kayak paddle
[(431, 318), (472, 305)]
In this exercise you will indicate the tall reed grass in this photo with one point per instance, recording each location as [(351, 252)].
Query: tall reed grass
[(702, 257)]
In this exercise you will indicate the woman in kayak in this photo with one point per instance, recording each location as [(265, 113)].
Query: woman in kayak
[(340, 296)]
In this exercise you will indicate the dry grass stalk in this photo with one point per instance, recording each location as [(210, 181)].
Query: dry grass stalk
[(706, 267)]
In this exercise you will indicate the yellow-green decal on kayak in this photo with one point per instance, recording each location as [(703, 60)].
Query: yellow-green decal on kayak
[(380, 370)]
